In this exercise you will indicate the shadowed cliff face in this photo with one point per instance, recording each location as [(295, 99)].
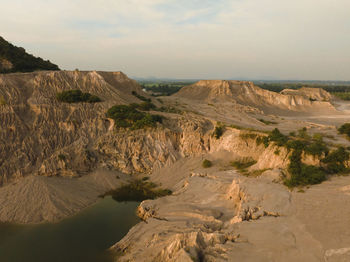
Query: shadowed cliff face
[(40, 135)]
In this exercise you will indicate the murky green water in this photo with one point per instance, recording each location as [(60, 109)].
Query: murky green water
[(84, 237)]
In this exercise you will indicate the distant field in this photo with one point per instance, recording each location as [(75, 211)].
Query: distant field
[(164, 88), (341, 91)]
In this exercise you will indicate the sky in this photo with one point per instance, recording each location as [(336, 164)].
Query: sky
[(194, 39)]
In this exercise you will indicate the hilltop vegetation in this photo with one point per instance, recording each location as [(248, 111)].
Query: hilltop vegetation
[(15, 59)]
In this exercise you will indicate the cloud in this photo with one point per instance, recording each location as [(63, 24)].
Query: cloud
[(306, 39)]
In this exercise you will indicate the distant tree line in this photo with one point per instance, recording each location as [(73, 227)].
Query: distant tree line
[(164, 89), (278, 87)]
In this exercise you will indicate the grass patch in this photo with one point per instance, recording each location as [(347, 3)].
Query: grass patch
[(137, 190), (243, 164), (207, 163), (77, 96)]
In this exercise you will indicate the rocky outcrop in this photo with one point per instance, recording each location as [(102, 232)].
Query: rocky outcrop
[(197, 222)]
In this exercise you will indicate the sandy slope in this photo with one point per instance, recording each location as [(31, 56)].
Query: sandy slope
[(37, 199)]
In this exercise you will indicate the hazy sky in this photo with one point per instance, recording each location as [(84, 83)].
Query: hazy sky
[(251, 39)]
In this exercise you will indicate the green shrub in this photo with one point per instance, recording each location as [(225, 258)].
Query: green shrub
[(218, 131), (138, 190), (262, 140), (317, 148), (335, 161), (206, 163), (277, 137), (76, 96), (308, 175), (345, 129), (301, 174)]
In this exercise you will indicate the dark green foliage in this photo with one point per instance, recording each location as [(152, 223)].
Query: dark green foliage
[(21, 61), (76, 96), (141, 97), (61, 157), (129, 116), (335, 161), (138, 190), (296, 145), (218, 131), (317, 148), (206, 163), (345, 129), (302, 174), (262, 140), (277, 137)]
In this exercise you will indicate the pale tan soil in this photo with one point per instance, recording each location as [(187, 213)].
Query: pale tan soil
[(221, 216)]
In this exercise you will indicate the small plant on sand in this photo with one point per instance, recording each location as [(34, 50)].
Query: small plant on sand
[(345, 129), (219, 131), (206, 163)]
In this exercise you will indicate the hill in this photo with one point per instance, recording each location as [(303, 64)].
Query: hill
[(16, 59), (245, 93)]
